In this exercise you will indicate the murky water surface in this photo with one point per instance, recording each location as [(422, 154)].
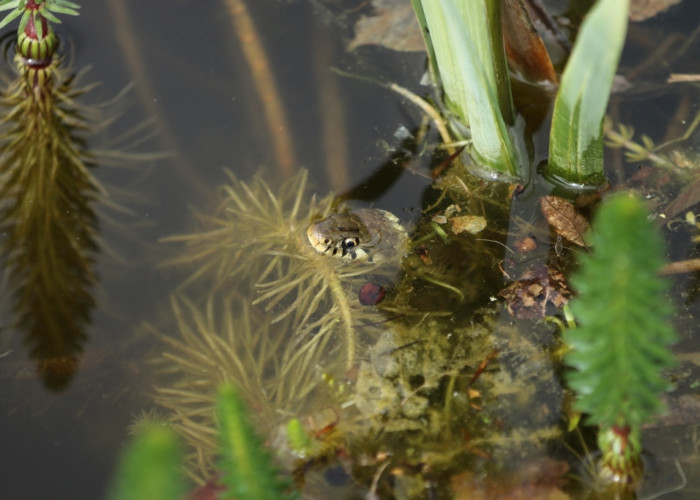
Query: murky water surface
[(443, 375)]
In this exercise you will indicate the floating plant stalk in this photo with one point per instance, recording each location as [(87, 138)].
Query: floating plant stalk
[(620, 347), (47, 195)]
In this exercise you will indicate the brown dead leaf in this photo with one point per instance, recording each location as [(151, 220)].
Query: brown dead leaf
[(524, 47), (393, 26), (540, 478), (562, 216), (472, 224), (687, 198), (530, 295), (644, 9)]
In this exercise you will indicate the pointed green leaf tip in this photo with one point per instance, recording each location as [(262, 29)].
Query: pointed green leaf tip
[(246, 468), (621, 345), (576, 136), (150, 468)]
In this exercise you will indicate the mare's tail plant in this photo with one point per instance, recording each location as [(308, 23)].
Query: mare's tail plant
[(47, 193), (620, 347), (246, 467), (150, 468)]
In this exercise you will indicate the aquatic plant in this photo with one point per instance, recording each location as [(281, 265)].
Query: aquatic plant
[(150, 467), (256, 243), (36, 15), (227, 340), (620, 347), (246, 467), (465, 40), (47, 195), (576, 136), (465, 43)]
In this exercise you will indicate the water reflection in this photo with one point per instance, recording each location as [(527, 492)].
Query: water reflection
[(47, 216)]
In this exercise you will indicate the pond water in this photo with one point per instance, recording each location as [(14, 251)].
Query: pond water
[(190, 89)]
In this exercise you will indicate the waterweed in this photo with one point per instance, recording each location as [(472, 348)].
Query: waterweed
[(270, 311), (255, 245)]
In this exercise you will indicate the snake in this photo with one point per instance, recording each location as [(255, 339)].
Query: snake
[(361, 235)]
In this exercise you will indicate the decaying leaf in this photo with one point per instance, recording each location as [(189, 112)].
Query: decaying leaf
[(524, 46), (393, 26), (537, 288), (562, 216), (542, 478), (472, 224), (687, 198), (644, 9)]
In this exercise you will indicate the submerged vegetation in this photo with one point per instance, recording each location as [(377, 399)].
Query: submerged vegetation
[(425, 391), (294, 358), (257, 239)]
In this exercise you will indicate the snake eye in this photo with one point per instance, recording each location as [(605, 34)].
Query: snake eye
[(350, 242), (326, 241)]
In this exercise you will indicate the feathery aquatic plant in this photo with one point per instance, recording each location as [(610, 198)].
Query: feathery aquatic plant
[(47, 194), (621, 345), (228, 341), (258, 236), (150, 467)]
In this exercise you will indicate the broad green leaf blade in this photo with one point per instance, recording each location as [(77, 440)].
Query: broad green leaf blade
[(576, 137), (465, 59)]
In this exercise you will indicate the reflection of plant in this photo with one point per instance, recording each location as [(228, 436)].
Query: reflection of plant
[(620, 347), (36, 13), (47, 195)]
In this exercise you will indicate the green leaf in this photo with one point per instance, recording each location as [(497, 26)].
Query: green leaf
[(9, 4), (423, 23), (246, 467), (61, 9), (465, 57), (620, 347), (65, 3), (576, 138), (150, 468), (9, 17)]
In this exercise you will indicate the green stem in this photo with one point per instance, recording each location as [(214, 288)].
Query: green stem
[(505, 101), (340, 299)]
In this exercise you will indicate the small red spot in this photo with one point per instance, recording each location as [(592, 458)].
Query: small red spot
[(371, 294)]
